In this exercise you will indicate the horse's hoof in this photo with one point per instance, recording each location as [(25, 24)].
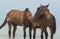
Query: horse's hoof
[(13, 37), (9, 36)]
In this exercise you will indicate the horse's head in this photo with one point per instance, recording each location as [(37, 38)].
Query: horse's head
[(28, 14), (43, 10)]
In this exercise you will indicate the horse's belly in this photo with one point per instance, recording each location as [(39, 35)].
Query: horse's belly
[(19, 22)]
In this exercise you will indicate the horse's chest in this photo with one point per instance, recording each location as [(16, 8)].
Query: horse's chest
[(35, 24)]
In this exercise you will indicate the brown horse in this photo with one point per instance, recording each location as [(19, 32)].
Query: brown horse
[(17, 17), (43, 19)]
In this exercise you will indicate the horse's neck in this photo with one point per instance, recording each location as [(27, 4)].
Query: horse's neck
[(36, 15)]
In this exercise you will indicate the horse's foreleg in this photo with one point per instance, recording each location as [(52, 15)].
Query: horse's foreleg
[(14, 29), (24, 32), (30, 29), (46, 34), (41, 35), (42, 30), (34, 33), (9, 25)]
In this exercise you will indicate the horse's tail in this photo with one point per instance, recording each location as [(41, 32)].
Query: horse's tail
[(54, 28), (3, 24)]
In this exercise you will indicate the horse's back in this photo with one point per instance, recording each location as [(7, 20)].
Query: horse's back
[(15, 16)]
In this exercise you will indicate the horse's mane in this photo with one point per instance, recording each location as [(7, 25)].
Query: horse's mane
[(37, 9)]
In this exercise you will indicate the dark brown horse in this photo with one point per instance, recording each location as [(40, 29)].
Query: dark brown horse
[(21, 18), (43, 19)]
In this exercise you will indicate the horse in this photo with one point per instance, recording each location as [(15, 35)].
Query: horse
[(43, 19), (18, 17)]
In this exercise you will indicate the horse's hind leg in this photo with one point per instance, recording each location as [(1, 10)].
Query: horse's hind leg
[(51, 29), (9, 25), (14, 29), (24, 29), (51, 35)]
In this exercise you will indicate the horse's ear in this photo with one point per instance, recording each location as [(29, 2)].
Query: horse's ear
[(47, 5), (41, 5)]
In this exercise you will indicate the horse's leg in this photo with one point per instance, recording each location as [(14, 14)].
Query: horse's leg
[(51, 29), (46, 34), (14, 29), (42, 30), (9, 25), (24, 29), (41, 35), (30, 29), (34, 33), (51, 35)]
